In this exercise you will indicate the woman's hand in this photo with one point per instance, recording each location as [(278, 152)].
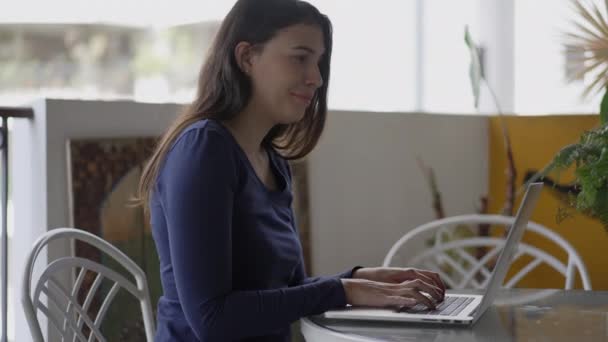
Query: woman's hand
[(363, 292), (396, 275)]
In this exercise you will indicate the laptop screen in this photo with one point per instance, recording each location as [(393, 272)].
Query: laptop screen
[(510, 248)]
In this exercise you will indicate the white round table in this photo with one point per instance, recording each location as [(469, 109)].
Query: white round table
[(517, 315)]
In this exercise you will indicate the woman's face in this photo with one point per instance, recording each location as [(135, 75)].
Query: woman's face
[(285, 73)]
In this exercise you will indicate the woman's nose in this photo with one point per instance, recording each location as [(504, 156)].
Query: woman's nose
[(314, 77)]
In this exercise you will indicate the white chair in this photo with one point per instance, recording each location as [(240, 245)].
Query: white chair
[(62, 308), (448, 250)]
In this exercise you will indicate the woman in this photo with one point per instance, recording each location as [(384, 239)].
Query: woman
[(219, 191)]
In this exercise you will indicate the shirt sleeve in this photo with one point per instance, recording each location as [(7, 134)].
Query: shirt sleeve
[(196, 188), (300, 277)]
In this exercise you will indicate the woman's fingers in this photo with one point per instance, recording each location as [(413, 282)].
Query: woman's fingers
[(436, 278), (412, 290), (430, 278), (376, 294), (419, 297), (420, 285), (400, 302)]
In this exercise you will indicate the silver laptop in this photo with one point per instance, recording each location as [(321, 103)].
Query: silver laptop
[(457, 308)]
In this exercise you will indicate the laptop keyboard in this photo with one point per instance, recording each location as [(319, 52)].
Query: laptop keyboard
[(451, 306)]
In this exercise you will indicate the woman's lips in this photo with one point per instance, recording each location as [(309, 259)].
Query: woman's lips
[(303, 98)]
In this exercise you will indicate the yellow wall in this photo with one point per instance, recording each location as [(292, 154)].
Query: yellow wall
[(535, 140)]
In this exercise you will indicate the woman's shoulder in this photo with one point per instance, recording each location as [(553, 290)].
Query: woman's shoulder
[(204, 127), (208, 143), (204, 134), (203, 144)]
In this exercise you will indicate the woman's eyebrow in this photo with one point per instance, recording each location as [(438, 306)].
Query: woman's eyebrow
[(307, 49)]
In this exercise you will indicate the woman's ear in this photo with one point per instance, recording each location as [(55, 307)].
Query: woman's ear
[(243, 53)]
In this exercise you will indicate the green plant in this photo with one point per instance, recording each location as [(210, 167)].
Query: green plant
[(588, 157)]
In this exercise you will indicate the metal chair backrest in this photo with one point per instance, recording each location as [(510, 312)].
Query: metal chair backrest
[(69, 317), (466, 270)]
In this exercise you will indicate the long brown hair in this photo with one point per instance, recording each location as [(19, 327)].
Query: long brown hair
[(224, 90)]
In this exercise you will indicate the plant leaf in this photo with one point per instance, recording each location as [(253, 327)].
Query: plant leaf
[(475, 66), (604, 108), (589, 18)]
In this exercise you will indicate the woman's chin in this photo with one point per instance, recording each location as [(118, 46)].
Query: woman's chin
[(292, 117)]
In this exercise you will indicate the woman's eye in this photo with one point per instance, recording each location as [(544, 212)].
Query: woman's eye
[(301, 58)]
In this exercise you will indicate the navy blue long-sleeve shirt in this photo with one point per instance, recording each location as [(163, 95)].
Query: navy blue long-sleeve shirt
[(231, 261)]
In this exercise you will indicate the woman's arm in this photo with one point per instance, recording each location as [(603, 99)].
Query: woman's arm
[(196, 188), (300, 278)]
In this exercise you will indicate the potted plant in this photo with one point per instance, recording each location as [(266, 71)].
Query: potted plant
[(588, 192)]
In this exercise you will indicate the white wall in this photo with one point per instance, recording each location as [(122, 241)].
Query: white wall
[(366, 189)]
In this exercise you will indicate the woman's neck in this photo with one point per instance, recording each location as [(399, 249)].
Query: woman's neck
[(249, 129)]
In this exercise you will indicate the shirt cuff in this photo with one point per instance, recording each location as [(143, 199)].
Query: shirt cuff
[(349, 274), (340, 294)]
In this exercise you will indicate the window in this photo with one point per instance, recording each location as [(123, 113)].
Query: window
[(373, 61), (390, 55), (100, 61), (375, 67), (446, 85), (540, 60)]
